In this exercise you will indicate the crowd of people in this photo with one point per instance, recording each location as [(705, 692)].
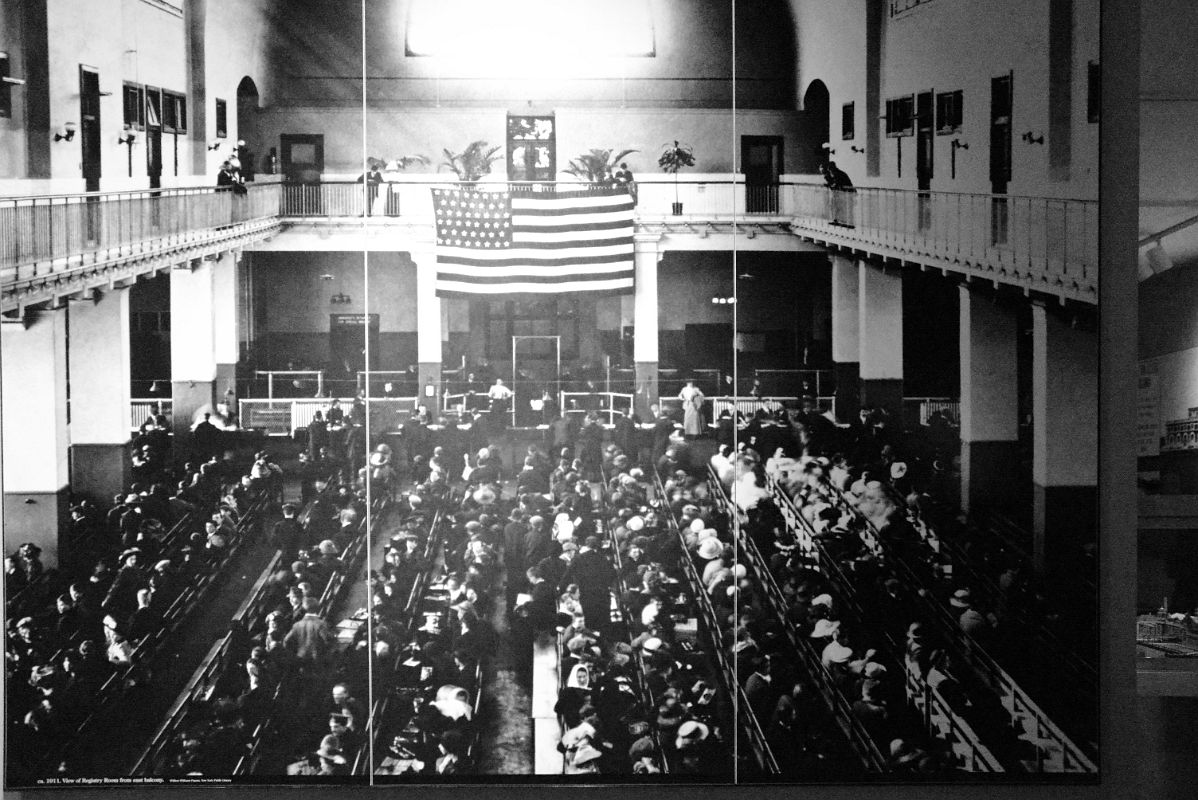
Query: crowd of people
[(801, 550), (72, 630), (282, 659)]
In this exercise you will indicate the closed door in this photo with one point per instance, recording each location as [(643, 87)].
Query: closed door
[(1000, 133), (761, 160), (89, 126), (925, 135), (1000, 155), (302, 157)]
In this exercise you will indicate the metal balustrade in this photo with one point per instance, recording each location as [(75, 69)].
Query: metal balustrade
[(1048, 242), (44, 234), (143, 409)]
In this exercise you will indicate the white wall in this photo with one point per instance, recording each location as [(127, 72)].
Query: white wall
[(400, 132), (946, 46), (125, 40)]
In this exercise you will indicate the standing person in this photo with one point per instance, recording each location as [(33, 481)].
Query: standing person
[(842, 194), (318, 434), (246, 156), (593, 573), (311, 639), (590, 448), (692, 409), (206, 438), (549, 409), (623, 177), (287, 534), (501, 399), (373, 178)]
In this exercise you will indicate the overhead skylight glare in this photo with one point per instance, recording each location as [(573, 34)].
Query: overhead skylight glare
[(511, 30)]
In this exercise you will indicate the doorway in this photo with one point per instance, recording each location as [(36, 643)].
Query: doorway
[(347, 343), (1000, 155), (533, 374), (761, 161), (89, 143), (247, 106), (816, 127), (154, 136), (302, 157), (925, 135)]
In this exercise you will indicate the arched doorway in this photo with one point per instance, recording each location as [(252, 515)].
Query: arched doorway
[(248, 150), (815, 127)]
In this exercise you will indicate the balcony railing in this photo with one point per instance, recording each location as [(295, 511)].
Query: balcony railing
[(1035, 239), (40, 234), (1053, 241), (1045, 243)]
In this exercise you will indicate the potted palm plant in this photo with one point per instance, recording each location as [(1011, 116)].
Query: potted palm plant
[(597, 166), (473, 163), (673, 158)]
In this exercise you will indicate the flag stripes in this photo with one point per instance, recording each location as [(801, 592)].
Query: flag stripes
[(493, 243)]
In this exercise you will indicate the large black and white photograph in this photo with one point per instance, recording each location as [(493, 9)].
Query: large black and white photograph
[(411, 392)]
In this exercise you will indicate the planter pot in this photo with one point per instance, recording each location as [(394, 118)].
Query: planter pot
[(677, 208)]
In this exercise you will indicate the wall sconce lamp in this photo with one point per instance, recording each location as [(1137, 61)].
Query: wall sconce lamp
[(66, 133), (856, 149), (957, 144), (1031, 138), (128, 136), (340, 299), (214, 146), (828, 147)]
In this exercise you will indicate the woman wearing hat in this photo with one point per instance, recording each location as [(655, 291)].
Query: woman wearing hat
[(121, 599), (692, 409)]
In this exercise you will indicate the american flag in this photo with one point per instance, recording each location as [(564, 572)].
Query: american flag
[(493, 243)]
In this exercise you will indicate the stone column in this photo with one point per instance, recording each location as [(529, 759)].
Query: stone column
[(33, 366), (880, 314), (100, 416), (428, 325), (1065, 437), (645, 322), (990, 472), (846, 347), (193, 347), (226, 321)]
